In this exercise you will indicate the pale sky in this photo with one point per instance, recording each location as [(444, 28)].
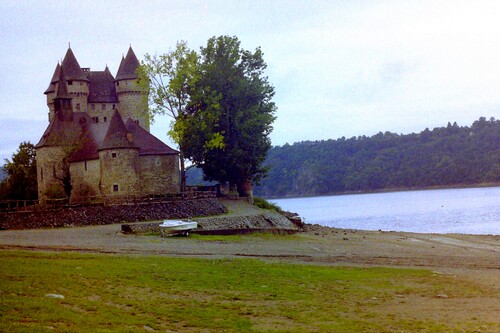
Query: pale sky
[(339, 68)]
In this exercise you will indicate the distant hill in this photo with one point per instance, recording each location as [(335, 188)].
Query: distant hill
[(194, 177), (444, 156)]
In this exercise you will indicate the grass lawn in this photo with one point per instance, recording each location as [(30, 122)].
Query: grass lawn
[(118, 293)]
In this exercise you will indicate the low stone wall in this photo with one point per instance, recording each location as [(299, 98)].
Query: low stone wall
[(269, 220), (266, 222), (97, 215)]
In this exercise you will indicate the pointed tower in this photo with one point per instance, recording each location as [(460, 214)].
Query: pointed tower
[(119, 160), (132, 98), (51, 91), (62, 101), (77, 84), (77, 81)]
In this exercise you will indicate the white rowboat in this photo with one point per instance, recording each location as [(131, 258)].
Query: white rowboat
[(175, 227)]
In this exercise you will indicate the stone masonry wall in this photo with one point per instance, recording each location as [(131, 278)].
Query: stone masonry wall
[(85, 178), (133, 105), (121, 171), (159, 174), (47, 160), (98, 215)]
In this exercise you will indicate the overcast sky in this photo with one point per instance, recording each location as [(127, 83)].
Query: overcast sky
[(340, 68)]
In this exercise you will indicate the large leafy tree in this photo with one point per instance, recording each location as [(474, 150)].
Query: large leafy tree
[(169, 78), (21, 183), (230, 113)]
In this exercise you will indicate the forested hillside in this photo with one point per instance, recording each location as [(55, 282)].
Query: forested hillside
[(444, 156)]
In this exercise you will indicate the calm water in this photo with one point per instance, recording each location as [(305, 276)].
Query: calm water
[(468, 211)]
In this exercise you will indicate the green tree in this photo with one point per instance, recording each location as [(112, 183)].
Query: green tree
[(21, 183), (226, 130), (169, 78)]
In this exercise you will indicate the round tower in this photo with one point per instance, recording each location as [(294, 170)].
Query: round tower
[(119, 161), (132, 98)]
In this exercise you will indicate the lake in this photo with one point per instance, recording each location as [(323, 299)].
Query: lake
[(467, 211)]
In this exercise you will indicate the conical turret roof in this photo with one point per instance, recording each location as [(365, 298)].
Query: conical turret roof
[(72, 69), (116, 136), (128, 66), (62, 88), (54, 79)]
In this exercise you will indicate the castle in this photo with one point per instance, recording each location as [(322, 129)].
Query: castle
[(97, 143)]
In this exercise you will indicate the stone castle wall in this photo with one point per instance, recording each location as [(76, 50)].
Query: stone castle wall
[(48, 167), (157, 176), (85, 179), (133, 105), (105, 113), (79, 92), (119, 172)]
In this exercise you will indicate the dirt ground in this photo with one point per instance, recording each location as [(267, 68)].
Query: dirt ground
[(474, 258)]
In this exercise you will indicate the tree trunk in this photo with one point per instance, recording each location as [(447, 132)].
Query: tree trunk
[(183, 172), (245, 189)]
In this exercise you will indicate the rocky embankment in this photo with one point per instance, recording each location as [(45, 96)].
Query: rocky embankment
[(267, 220), (241, 218), (99, 215)]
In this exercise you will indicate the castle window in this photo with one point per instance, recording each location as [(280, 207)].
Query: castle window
[(158, 161), (41, 173), (70, 83), (78, 106), (103, 106), (95, 119), (105, 119), (113, 155), (92, 106), (118, 83), (54, 171), (85, 164), (114, 106), (115, 188)]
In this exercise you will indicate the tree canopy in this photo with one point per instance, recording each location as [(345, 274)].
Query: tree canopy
[(444, 156), (168, 78), (20, 183), (227, 126)]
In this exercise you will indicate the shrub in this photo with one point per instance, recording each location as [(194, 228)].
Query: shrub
[(263, 203)]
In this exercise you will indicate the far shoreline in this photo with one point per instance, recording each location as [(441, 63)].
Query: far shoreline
[(390, 190)]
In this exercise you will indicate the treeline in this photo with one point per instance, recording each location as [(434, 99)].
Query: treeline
[(444, 156)]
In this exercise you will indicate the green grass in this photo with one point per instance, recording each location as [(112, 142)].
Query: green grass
[(264, 204), (112, 293)]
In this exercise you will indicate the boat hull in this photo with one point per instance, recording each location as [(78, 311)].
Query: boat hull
[(174, 227)]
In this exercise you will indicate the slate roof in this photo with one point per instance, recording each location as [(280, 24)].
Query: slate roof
[(116, 136), (101, 83), (53, 81), (128, 66), (148, 144), (102, 87), (61, 132), (62, 88), (71, 68), (90, 137)]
